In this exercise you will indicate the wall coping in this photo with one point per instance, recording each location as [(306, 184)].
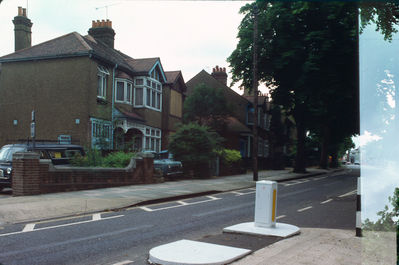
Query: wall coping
[(25, 155), (132, 165)]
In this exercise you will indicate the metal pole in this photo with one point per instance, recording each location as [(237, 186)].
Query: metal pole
[(255, 91)]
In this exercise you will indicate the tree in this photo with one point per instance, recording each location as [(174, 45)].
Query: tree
[(309, 56), (195, 146), (206, 106)]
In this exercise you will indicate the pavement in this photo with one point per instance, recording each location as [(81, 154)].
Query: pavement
[(312, 246)]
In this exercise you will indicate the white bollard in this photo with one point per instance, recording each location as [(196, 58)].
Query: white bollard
[(266, 204)]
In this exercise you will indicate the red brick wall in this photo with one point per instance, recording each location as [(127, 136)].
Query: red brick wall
[(32, 176)]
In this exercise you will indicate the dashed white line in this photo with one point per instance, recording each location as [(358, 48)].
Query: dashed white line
[(146, 209), (29, 228), (182, 203), (57, 226), (96, 217), (237, 193), (304, 209), (123, 262), (348, 194), (213, 198), (327, 201), (281, 216)]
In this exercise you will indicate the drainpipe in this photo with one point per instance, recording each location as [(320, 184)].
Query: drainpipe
[(112, 108)]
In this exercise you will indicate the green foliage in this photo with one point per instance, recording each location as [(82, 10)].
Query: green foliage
[(308, 53), (230, 156), (387, 221), (118, 159), (206, 106), (194, 146), (93, 158)]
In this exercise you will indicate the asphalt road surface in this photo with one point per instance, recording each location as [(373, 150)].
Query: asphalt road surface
[(125, 237)]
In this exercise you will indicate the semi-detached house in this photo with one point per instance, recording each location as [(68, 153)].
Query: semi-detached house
[(85, 91)]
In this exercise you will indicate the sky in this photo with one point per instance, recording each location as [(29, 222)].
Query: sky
[(187, 35), (379, 73)]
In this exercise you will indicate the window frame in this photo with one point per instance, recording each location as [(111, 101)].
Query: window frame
[(126, 83), (102, 74)]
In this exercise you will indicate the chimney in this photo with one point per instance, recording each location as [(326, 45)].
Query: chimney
[(22, 29), (102, 31), (220, 74)]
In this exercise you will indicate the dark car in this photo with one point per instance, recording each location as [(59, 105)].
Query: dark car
[(60, 154), (164, 162)]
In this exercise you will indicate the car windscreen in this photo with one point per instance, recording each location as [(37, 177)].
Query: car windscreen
[(7, 152)]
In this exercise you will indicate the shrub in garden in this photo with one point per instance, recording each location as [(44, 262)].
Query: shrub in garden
[(194, 146)]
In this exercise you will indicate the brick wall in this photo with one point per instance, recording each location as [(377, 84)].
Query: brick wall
[(33, 176)]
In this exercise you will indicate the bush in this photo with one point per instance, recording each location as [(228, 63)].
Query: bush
[(94, 158), (117, 159), (231, 156), (194, 146)]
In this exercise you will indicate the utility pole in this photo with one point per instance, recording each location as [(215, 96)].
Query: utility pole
[(33, 130), (255, 91)]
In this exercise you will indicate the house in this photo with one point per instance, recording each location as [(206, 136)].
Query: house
[(238, 133), (172, 108), (83, 90)]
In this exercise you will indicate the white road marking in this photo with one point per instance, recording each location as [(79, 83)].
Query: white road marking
[(319, 178), (326, 201), (281, 216), (146, 209), (123, 262), (29, 228), (181, 203), (237, 193), (304, 209), (348, 194), (57, 226), (96, 217), (295, 182)]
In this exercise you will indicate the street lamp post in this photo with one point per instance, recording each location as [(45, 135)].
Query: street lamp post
[(255, 91)]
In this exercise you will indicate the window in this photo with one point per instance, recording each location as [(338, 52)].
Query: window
[(102, 77), (123, 91), (101, 133), (148, 93), (250, 116), (266, 148), (152, 139)]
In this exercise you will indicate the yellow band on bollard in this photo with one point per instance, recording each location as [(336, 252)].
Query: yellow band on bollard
[(274, 205)]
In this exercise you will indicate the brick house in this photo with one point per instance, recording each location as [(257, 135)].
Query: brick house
[(238, 133), (84, 90)]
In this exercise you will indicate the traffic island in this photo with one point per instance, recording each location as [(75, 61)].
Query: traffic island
[(188, 252), (265, 215)]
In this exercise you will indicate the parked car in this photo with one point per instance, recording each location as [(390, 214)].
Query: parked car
[(164, 162), (60, 154)]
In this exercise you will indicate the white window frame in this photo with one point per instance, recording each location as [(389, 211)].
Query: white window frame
[(153, 92), (103, 73), (152, 139), (100, 128), (126, 83)]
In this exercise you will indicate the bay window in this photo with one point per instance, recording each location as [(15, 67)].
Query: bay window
[(148, 93)]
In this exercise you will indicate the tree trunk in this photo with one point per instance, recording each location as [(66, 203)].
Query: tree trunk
[(300, 152), (334, 158), (324, 148)]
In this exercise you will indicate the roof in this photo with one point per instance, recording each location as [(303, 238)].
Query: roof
[(234, 125), (120, 113), (176, 76), (74, 45), (172, 76)]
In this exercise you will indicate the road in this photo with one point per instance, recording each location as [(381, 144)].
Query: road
[(125, 237)]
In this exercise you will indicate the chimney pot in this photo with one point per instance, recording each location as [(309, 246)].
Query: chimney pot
[(20, 11), (93, 23), (24, 12)]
